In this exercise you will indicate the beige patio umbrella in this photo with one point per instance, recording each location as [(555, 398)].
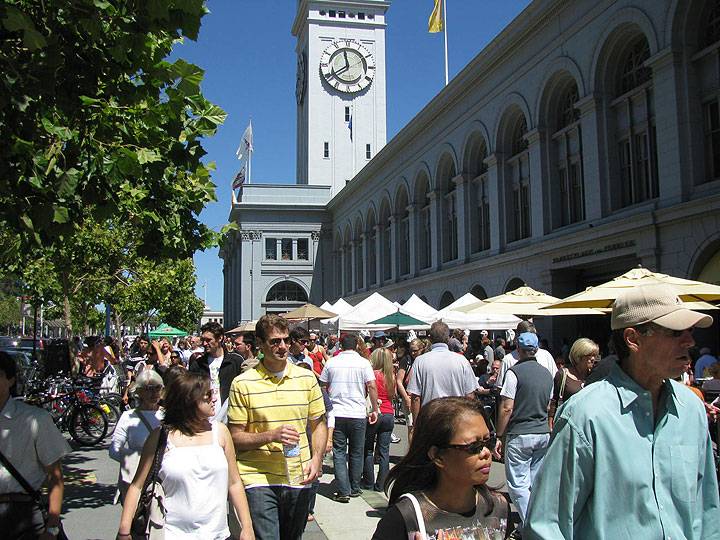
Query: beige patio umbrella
[(604, 295), (308, 312), (523, 301), (248, 326)]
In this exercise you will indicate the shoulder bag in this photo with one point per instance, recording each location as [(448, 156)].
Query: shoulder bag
[(149, 517), (32, 492), (561, 397), (414, 520)]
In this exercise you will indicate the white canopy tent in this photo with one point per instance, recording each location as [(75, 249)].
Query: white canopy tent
[(419, 309), (341, 307), (486, 321)]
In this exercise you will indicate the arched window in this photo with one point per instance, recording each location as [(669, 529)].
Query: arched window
[(567, 155), (634, 124), (424, 236), (446, 299), (706, 67), (446, 173), (478, 292), (359, 258), (476, 168), (513, 284), (386, 242), (403, 224), (518, 171), (371, 236), (287, 291)]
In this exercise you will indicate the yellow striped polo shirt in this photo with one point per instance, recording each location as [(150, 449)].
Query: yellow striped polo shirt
[(262, 402)]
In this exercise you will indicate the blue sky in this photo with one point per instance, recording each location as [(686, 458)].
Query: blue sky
[(247, 52)]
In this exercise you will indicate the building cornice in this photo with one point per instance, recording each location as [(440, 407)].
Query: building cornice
[(304, 6)]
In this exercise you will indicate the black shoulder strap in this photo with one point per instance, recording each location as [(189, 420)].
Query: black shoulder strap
[(19, 477), (157, 458), (407, 511), (144, 421)]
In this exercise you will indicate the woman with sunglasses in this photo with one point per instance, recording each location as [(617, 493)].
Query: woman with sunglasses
[(198, 469), (134, 427), (444, 477)]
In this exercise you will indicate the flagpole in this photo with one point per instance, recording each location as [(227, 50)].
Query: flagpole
[(250, 153), (445, 21)]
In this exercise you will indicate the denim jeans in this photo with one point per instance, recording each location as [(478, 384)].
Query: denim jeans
[(524, 455), (278, 512), (380, 431), (349, 434)]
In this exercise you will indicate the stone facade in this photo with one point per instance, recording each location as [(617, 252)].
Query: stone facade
[(582, 141)]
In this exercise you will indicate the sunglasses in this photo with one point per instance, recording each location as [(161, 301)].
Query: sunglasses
[(275, 342), (303, 341), (657, 329), (475, 447), (151, 387)]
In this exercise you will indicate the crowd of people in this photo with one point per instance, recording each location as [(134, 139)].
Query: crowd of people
[(592, 448)]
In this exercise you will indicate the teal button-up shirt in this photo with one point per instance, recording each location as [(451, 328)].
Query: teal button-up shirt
[(612, 472)]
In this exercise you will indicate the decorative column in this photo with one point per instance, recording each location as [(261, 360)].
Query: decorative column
[(436, 232), (596, 202), (378, 256), (394, 270), (412, 238), (353, 265), (461, 213), (537, 166), (670, 126), (363, 239), (496, 201), (247, 279)]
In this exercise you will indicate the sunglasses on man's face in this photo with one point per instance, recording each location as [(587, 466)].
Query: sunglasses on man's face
[(475, 447), (275, 342)]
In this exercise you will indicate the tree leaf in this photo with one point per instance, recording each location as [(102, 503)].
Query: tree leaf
[(146, 155), (61, 215)]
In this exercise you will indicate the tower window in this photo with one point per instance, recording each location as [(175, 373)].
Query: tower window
[(361, 16), (341, 14), (326, 150), (322, 12), (332, 13), (370, 16), (351, 15), (368, 151), (347, 114)]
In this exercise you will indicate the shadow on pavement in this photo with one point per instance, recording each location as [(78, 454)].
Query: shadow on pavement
[(87, 495)]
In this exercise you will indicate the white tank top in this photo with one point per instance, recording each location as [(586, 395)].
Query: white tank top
[(195, 479)]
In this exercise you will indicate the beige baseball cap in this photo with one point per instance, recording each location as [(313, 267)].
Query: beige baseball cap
[(657, 304)]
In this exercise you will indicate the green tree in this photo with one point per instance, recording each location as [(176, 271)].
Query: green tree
[(96, 122), (9, 310)]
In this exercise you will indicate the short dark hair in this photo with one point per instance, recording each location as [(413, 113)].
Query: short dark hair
[(348, 342), (143, 337), (215, 327), (525, 326), (248, 339), (439, 332), (7, 365), (298, 333), (266, 322)]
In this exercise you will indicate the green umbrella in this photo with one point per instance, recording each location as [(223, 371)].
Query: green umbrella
[(398, 319), (165, 330)]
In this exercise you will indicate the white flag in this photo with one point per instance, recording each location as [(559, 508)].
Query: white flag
[(246, 144)]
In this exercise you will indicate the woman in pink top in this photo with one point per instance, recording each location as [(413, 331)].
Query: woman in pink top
[(380, 431)]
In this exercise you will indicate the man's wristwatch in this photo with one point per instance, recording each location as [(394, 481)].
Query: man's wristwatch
[(53, 531)]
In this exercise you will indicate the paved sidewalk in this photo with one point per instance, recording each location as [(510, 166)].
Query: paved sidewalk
[(91, 476)]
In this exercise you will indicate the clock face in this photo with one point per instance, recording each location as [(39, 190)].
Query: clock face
[(347, 66), (300, 81)]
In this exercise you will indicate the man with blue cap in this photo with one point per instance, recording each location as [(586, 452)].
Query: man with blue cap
[(523, 427)]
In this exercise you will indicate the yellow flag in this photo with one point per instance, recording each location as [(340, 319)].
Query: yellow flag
[(435, 23)]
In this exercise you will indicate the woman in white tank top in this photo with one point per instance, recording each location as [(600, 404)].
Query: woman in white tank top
[(198, 469)]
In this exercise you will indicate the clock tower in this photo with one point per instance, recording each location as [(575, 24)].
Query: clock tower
[(340, 88)]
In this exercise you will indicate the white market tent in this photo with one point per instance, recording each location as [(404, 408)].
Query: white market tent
[(416, 307), (326, 306), (486, 321), (373, 307), (341, 307)]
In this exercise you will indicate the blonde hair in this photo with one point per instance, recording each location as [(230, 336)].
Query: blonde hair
[(382, 360), (418, 344), (582, 347)]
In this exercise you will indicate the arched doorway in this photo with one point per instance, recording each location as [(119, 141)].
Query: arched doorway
[(446, 299), (284, 296)]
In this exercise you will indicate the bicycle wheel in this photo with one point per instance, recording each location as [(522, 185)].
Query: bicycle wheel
[(116, 401), (88, 424), (112, 413)]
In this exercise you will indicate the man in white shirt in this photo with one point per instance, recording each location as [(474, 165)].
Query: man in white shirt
[(543, 357), (349, 378)]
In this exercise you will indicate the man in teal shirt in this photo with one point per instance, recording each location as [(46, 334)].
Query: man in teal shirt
[(630, 456)]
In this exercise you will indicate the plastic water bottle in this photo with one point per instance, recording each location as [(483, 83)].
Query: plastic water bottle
[(293, 459)]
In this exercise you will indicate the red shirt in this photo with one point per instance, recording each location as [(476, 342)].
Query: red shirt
[(386, 405)]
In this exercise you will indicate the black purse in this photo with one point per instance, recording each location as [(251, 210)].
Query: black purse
[(32, 492), (149, 518)]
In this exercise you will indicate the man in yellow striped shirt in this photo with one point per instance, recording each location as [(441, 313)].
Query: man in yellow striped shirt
[(269, 410)]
